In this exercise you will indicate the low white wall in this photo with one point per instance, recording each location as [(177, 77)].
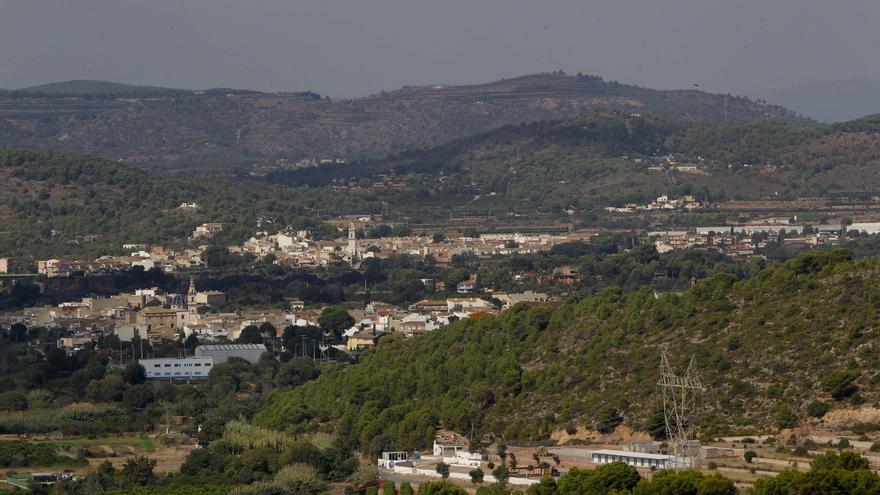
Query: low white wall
[(488, 478)]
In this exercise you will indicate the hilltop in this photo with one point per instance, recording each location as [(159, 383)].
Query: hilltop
[(789, 343), (82, 87), (230, 131)]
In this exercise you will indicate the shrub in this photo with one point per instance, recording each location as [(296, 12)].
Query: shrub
[(817, 409), (476, 476), (839, 383), (607, 419), (786, 418), (848, 461), (749, 455), (442, 470), (440, 488), (13, 401)]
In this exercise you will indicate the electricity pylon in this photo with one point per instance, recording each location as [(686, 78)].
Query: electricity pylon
[(681, 397)]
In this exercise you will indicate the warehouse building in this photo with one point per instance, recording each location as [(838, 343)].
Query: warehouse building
[(177, 368), (636, 459), (221, 353)]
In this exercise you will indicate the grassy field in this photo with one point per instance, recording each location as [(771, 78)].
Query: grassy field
[(115, 449), (141, 443)]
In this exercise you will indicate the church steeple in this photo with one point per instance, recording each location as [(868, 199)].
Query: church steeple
[(191, 294), (352, 242)]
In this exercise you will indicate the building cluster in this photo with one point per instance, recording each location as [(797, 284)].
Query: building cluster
[(158, 257), (299, 250), (745, 239), (379, 319), (156, 316), (207, 230), (663, 202), (149, 314)]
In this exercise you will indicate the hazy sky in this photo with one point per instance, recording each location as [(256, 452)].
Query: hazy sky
[(357, 47)]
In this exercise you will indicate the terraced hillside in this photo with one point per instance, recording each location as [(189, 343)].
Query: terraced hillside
[(231, 131)]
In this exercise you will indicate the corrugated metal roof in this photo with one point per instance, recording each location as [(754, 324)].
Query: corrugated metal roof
[(233, 347)]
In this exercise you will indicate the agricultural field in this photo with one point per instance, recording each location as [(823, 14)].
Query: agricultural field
[(81, 454)]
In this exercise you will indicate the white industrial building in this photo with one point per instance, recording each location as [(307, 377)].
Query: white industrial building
[(177, 368), (636, 459), (220, 353)]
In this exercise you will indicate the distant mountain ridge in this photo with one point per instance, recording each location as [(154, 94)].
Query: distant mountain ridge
[(88, 86), (231, 131)]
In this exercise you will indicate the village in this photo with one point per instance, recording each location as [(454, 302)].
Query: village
[(159, 317), (299, 249)]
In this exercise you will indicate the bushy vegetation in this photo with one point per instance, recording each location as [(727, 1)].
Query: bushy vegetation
[(67, 203), (18, 453), (72, 419), (844, 473), (534, 369)]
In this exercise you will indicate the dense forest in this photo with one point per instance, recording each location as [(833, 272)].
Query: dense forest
[(535, 369)]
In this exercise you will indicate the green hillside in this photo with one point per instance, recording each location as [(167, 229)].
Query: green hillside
[(767, 348), (526, 173), (53, 204), (611, 158), (237, 132)]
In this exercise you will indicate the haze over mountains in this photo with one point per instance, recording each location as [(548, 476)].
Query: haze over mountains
[(232, 131), (835, 101)]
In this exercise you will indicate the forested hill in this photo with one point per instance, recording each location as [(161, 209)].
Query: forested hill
[(608, 158), (54, 204), (794, 340), (232, 131)]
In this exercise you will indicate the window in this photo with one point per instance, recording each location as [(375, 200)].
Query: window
[(157, 366), (167, 365)]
